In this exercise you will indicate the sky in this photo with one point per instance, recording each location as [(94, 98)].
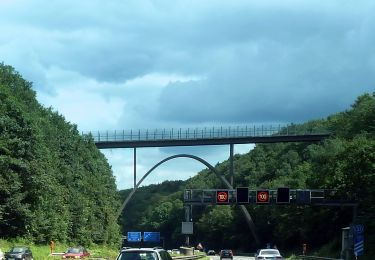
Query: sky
[(141, 64)]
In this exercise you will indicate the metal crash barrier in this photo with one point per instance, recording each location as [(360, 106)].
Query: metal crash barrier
[(316, 257), (188, 257), (189, 253)]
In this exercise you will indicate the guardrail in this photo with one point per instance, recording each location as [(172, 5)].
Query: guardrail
[(189, 257), (316, 257), (90, 258)]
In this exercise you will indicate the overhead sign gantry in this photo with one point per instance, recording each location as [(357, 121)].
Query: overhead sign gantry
[(283, 195)]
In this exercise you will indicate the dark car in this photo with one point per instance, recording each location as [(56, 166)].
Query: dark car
[(226, 253), (76, 252), (211, 252), (19, 252)]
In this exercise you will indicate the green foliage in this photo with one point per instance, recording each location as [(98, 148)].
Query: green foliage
[(216, 225), (54, 183), (164, 216), (343, 163), (42, 251)]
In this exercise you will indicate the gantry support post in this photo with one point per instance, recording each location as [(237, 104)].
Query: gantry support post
[(188, 218)]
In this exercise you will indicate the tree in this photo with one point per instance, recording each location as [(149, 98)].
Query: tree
[(54, 183)]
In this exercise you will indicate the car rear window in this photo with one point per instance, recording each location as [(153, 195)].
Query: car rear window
[(17, 249), (138, 255), (74, 250), (270, 252)]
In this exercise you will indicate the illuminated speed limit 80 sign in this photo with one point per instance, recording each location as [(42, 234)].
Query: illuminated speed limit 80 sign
[(263, 196)]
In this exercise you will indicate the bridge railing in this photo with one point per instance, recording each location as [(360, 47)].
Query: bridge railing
[(200, 133)]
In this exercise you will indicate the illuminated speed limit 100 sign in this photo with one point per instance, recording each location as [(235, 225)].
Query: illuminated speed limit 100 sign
[(222, 197), (263, 196)]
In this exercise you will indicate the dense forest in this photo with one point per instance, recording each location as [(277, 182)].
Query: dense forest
[(344, 163), (54, 183)]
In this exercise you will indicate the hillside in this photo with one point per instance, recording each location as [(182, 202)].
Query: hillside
[(345, 163), (54, 183)]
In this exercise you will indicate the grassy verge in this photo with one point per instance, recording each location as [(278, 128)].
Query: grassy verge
[(42, 252)]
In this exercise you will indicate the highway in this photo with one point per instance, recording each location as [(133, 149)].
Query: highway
[(216, 257)]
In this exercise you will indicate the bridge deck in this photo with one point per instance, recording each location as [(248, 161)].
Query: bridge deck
[(204, 136)]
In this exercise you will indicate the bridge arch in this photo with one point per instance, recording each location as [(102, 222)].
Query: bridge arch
[(209, 166)]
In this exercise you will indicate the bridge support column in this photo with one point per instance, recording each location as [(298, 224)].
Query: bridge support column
[(231, 168), (135, 167)]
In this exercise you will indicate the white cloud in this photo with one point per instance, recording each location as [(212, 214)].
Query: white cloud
[(80, 100), (87, 110)]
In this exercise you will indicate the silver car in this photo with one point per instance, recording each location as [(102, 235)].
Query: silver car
[(144, 254), (268, 254)]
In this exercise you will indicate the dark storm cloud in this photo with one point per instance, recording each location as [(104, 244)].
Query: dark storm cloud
[(256, 61), (190, 63), (305, 66)]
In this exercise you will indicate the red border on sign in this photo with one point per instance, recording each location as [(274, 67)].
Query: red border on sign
[(263, 196), (222, 196)]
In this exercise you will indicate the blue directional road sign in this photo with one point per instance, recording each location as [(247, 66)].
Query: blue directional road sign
[(358, 239), (134, 236), (151, 236)]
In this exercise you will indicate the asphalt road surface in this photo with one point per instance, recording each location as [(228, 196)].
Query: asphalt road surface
[(238, 257)]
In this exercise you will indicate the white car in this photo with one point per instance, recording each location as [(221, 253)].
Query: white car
[(144, 254), (1, 255), (268, 254)]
